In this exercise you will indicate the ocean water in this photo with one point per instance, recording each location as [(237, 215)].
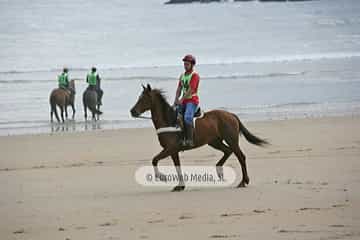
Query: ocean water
[(260, 60)]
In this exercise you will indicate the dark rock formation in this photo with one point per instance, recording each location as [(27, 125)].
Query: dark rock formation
[(190, 1)]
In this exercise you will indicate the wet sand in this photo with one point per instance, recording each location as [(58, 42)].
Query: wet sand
[(81, 186)]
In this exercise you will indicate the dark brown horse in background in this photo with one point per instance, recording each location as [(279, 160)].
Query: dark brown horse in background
[(62, 98), (90, 101), (215, 127)]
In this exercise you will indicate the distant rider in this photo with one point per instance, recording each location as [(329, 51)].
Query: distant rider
[(63, 79), (94, 81)]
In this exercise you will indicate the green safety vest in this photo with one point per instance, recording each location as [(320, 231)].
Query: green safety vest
[(185, 83), (63, 80), (91, 77)]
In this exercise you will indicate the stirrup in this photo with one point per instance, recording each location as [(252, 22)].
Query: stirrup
[(189, 143)]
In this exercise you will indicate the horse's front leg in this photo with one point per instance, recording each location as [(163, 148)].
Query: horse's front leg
[(181, 185), (163, 154)]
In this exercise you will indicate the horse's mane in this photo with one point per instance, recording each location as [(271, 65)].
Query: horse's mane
[(168, 111)]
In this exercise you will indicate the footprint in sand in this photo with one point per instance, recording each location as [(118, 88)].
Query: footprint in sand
[(20, 231), (306, 209), (75, 165), (345, 148), (183, 217), (304, 150), (339, 205), (337, 225), (7, 169), (156, 221), (231, 214), (107, 224), (224, 236), (274, 152), (295, 231), (259, 211), (38, 167), (80, 228)]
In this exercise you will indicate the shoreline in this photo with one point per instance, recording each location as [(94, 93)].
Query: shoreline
[(72, 127)]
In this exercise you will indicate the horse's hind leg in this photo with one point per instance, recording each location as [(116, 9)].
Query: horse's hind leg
[(242, 159), (181, 185), (219, 145), (93, 115), (98, 115), (51, 115), (54, 110), (73, 110), (85, 112), (66, 112), (232, 139), (62, 113)]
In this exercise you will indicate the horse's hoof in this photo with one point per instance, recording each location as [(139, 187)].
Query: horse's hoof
[(220, 172), (178, 188), (241, 185), (246, 180)]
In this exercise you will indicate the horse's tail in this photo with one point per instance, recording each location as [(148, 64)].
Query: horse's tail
[(249, 136), (90, 102), (95, 110)]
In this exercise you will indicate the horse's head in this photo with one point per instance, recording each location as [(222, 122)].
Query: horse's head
[(143, 104), (72, 84)]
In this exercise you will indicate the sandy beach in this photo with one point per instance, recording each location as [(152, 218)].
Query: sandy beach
[(82, 186)]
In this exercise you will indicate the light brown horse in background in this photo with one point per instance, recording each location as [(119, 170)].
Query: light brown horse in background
[(214, 128), (62, 98)]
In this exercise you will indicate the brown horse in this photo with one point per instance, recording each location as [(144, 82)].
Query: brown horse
[(213, 128), (62, 98)]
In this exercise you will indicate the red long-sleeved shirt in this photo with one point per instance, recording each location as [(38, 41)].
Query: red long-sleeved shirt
[(194, 84)]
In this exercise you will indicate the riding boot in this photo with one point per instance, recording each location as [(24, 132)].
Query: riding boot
[(183, 141), (189, 135)]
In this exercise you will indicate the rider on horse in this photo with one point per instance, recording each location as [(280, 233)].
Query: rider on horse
[(63, 79), (188, 104), (94, 80)]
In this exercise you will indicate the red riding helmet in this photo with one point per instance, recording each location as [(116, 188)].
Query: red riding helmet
[(189, 58)]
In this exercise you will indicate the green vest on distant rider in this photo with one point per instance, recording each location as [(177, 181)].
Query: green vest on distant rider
[(91, 77), (63, 80), (185, 84)]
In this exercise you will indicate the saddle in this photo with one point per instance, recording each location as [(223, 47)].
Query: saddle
[(67, 90), (180, 121)]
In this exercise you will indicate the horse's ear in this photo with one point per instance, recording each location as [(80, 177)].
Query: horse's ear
[(143, 86), (148, 87)]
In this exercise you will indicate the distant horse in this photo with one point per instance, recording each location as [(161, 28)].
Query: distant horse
[(213, 128), (62, 98), (90, 100)]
